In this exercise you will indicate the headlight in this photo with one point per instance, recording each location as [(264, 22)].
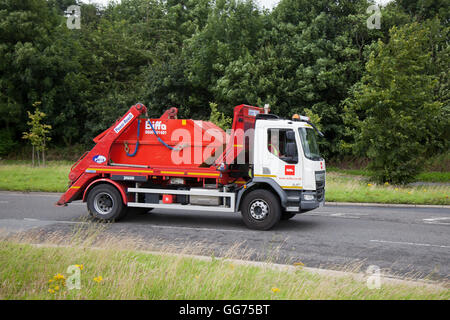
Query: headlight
[(320, 176), (308, 197)]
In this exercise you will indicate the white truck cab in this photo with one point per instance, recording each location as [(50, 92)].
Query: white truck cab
[(286, 156)]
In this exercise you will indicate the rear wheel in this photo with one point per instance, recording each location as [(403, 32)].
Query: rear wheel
[(260, 209), (104, 202)]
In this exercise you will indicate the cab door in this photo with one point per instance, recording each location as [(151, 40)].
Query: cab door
[(279, 157)]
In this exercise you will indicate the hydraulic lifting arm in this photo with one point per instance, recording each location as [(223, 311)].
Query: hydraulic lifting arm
[(100, 154)]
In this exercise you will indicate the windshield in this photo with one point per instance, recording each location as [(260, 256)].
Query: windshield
[(309, 143)]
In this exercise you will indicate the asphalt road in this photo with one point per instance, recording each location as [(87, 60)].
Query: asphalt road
[(401, 241)]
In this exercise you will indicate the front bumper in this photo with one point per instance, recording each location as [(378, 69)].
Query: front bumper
[(317, 201)]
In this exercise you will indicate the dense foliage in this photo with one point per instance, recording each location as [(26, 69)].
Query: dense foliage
[(396, 111), (316, 57)]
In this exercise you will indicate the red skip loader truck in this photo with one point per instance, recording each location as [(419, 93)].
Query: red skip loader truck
[(267, 168)]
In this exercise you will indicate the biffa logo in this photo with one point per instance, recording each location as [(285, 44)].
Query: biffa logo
[(289, 170)]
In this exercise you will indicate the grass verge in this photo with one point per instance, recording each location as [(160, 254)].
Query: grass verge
[(30, 272), (430, 176), (21, 176), (342, 188), (342, 185)]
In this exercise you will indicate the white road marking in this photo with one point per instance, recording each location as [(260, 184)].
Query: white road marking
[(345, 215), (412, 243), (348, 215), (54, 221), (201, 229), (437, 220)]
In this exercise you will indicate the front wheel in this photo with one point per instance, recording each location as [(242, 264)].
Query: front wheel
[(104, 202), (260, 209)]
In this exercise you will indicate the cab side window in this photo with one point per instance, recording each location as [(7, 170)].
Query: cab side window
[(278, 141)]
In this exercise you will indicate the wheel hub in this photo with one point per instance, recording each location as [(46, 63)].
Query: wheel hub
[(259, 209), (103, 203)]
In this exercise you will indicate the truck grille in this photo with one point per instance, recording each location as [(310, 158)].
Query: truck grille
[(320, 190), (320, 184)]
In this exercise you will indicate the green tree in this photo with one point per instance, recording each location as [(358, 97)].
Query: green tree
[(426, 9), (396, 117), (232, 30), (218, 118), (38, 134), (309, 55)]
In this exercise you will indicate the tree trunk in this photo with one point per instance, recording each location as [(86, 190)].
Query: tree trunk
[(43, 153), (32, 156)]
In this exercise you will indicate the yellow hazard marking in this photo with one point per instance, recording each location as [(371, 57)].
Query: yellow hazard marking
[(203, 174), (172, 172), (291, 187), (183, 122), (266, 175), (238, 145), (75, 187), (121, 170)]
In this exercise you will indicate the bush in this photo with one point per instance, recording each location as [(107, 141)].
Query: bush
[(7, 144)]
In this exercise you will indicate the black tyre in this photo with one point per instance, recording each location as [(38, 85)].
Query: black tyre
[(288, 215), (260, 209), (104, 202)]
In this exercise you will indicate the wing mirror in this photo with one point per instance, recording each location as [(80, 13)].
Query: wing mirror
[(291, 152)]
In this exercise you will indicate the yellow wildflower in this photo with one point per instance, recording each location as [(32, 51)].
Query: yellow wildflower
[(98, 279), (275, 290), (51, 291), (59, 276), (299, 264), (386, 183), (369, 184)]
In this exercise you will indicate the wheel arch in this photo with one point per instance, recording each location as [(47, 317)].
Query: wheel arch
[(120, 187), (262, 183)]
